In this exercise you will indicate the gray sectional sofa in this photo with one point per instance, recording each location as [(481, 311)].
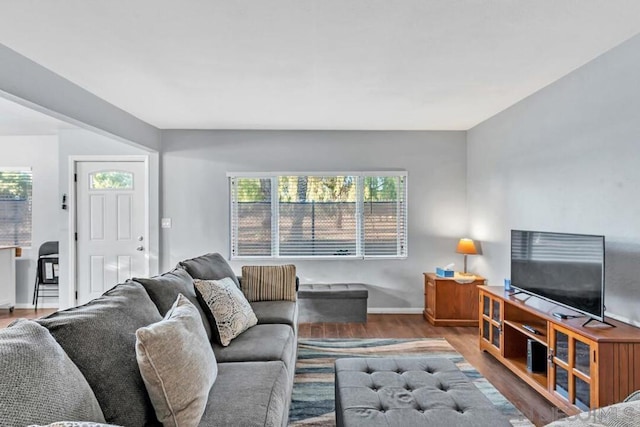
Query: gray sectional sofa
[(255, 372)]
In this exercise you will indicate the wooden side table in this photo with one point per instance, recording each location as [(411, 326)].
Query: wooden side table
[(449, 303)]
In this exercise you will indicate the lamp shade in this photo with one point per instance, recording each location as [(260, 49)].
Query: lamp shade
[(467, 247)]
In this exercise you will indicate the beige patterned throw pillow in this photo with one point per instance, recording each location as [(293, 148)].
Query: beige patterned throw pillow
[(231, 312), (269, 282), (177, 365)]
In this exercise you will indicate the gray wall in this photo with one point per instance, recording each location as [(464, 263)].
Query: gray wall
[(565, 159), (78, 142), (40, 153), (195, 196)]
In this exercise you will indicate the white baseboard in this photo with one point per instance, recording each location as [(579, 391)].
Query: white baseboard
[(42, 305), (395, 310)]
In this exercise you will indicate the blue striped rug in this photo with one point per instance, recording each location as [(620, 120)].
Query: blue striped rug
[(313, 391)]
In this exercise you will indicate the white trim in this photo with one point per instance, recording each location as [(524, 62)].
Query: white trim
[(395, 310), (317, 257), (16, 169), (271, 174), (73, 160)]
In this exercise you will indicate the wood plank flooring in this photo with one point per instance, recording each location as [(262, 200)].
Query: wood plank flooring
[(6, 317), (464, 340)]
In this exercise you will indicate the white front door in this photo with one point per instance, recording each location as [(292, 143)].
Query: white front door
[(111, 240)]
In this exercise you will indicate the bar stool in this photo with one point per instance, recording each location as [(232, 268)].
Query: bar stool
[(47, 274)]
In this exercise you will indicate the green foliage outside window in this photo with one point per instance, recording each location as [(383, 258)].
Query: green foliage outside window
[(111, 180)]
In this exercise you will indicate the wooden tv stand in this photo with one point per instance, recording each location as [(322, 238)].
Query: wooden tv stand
[(586, 367)]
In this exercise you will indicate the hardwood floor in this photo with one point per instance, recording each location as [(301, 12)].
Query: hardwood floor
[(464, 340), (6, 317)]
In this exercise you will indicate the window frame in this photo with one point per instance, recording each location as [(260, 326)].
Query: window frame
[(29, 169), (359, 238)]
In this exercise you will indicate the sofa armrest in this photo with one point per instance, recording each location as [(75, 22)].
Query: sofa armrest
[(633, 397), (297, 282)]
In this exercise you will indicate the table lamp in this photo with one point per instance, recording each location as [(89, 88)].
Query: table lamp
[(466, 247)]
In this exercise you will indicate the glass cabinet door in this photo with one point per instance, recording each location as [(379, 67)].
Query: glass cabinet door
[(491, 323), (571, 364)]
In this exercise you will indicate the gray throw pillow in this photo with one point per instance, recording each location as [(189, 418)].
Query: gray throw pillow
[(164, 290), (100, 339), (209, 267), (177, 365), (231, 313), (40, 384)]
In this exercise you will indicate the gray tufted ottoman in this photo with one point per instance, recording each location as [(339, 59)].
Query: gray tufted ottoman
[(412, 391)]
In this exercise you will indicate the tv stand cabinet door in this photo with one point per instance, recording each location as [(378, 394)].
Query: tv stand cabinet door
[(490, 323), (573, 368)]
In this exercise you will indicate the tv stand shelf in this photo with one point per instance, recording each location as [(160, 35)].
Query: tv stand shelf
[(579, 367)]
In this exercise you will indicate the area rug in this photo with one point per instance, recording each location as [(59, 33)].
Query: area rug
[(313, 390)]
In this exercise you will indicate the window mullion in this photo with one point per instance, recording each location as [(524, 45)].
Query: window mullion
[(233, 216), (275, 217), (360, 216), (402, 216)]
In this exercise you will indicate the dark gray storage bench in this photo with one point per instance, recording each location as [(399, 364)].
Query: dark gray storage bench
[(335, 302)]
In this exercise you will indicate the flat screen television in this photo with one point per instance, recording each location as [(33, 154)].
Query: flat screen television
[(567, 269)]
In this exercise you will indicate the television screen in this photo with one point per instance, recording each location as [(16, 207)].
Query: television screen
[(567, 269)]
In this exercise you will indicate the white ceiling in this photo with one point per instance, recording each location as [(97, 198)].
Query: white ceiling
[(315, 64), (18, 120)]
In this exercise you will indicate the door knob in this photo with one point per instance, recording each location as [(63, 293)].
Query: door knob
[(140, 248), (140, 238)]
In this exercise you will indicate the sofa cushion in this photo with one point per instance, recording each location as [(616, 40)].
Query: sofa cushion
[(177, 364), (40, 384), (261, 343), (209, 267), (278, 312), (164, 290), (230, 312), (100, 339), (249, 394), (269, 282)]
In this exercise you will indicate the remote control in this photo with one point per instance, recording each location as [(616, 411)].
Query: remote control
[(531, 329), (560, 315)]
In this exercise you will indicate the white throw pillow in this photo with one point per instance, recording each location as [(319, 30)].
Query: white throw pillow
[(231, 312), (177, 365)]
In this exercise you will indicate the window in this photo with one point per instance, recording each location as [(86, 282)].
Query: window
[(319, 215), (15, 207), (111, 180)]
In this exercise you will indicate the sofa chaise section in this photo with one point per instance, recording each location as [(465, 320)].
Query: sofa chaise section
[(255, 372)]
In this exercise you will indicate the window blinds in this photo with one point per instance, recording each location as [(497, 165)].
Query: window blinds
[(319, 215), (15, 207)]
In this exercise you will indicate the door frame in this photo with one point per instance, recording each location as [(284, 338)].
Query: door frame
[(73, 160)]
